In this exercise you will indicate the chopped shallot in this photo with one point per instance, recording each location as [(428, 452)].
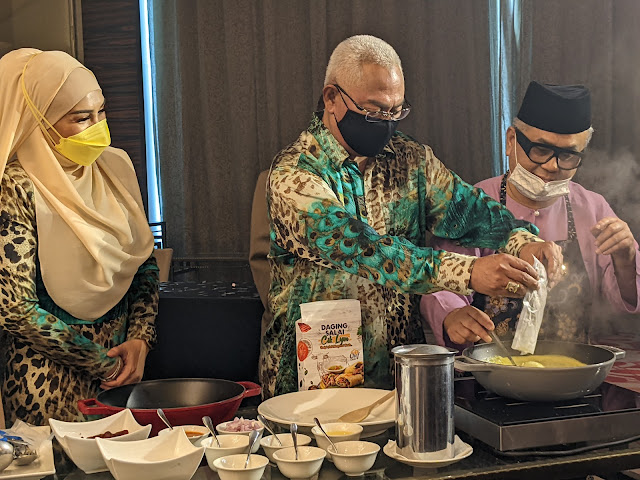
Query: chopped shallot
[(242, 425)]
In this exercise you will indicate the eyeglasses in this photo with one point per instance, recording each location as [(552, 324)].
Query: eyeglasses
[(541, 153), (380, 114)]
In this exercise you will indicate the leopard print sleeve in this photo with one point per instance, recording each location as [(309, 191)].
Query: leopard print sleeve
[(20, 312), (143, 303)]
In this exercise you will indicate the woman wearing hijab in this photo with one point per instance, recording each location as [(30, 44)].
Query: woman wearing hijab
[(78, 282)]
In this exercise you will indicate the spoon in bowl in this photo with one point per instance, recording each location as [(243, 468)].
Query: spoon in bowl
[(253, 438), (315, 419), (206, 420), (164, 418), (266, 425), (294, 435)]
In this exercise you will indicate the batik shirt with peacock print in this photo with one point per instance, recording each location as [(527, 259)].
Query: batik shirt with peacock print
[(337, 232)]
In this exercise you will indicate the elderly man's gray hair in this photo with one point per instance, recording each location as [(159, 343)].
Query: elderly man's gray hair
[(345, 64)]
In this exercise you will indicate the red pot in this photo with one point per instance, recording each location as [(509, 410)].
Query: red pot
[(184, 400)]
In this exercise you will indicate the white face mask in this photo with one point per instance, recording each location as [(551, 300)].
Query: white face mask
[(534, 188)]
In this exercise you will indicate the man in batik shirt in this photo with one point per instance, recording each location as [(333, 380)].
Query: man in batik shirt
[(350, 202)]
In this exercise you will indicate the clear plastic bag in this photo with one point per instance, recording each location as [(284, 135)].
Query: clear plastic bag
[(533, 304), (25, 441)]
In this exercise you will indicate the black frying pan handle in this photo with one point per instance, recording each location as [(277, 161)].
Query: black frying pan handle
[(618, 352)]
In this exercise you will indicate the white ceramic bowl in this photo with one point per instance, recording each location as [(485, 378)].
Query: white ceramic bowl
[(194, 433), (269, 444), (229, 445), (165, 457), (231, 467), (355, 457), (338, 432), (84, 451), (221, 428), (308, 463)]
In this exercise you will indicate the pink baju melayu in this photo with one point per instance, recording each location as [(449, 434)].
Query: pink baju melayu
[(588, 207)]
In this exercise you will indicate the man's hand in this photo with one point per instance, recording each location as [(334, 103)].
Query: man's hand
[(549, 254), (503, 275), (613, 237), (133, 354), (468, 324)]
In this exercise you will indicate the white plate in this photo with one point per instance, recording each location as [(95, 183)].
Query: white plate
[(460, 449), (329, 404), (39, 468)]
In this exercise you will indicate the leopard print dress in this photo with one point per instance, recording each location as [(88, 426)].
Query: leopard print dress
[(53, 359)]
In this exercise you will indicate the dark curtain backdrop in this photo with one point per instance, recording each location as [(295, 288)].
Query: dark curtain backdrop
[(237, 81), (595, 42)]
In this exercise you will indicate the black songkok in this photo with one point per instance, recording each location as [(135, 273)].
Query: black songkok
[(561, 109)]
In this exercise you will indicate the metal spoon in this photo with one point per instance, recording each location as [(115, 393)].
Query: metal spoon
[(325, 434), (294, 434), (163, 417), (6, 454), (253, 438), (502, 347), (266, 425), (209, 424)]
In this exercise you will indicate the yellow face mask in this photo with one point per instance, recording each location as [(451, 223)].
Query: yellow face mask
[(83, 148)]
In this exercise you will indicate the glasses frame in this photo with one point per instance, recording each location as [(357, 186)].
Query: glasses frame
[(527, 145), (369, 115)]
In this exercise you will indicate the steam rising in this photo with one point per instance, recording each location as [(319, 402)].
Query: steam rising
[(617, 180)]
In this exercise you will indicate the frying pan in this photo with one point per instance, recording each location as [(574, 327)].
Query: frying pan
[(184, 400), (541, 384)]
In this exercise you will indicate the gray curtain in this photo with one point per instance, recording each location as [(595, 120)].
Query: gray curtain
[(237, 80), (594, 42)]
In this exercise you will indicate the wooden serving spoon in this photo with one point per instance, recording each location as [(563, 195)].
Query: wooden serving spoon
[(360, 414)]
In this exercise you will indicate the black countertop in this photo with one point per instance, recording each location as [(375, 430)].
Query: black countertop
[(484, 463)]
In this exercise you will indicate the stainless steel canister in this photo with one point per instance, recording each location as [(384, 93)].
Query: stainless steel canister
[(424, 414)]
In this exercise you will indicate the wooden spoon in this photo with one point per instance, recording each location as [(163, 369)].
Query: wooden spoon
[(360, 414)]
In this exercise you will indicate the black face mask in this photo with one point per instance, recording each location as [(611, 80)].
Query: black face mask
[(366, 138)]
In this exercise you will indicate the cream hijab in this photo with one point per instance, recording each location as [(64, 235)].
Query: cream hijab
[(92, 230)]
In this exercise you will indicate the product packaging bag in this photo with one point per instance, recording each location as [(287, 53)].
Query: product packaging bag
[(329, 345)]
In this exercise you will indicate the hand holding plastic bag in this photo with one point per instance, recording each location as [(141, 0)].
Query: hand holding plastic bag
[(533, 305)]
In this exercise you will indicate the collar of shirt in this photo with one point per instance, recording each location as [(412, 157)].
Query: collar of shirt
[(332, 147)]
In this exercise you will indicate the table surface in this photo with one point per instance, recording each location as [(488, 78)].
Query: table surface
[(484, 463)]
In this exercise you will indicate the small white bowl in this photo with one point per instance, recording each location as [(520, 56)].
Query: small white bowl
[(270, 444), (231, 467), (355, 457), (229, 445), (337, 432), (308, 463), (221, 429), (73, 436), (194, 433), (167, 457)]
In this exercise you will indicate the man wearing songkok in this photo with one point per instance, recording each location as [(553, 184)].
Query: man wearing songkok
[(350, 202), (546, 146)]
